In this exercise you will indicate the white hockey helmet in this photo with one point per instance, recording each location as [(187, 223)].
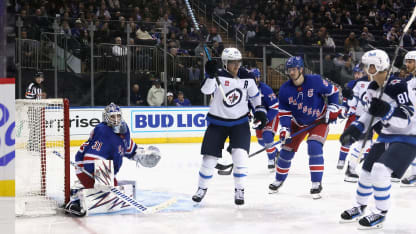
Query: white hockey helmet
[(411, 55), (378, 58), (229, 54)]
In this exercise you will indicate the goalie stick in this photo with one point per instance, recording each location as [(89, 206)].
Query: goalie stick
[(191, 13), (132, 202), (224, 171), (396, 53)]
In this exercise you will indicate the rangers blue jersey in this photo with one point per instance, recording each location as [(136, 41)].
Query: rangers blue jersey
[(104, 144), (305, 103)]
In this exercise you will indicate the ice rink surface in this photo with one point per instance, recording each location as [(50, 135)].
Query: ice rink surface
[(292, 210)]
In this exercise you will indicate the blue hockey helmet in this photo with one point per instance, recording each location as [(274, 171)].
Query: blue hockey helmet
[(294, 61), (112, 116), (357, 68), (256, 73)]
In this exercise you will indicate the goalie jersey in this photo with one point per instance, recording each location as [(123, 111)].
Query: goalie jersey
[(305, 103), (237, 91), (399, 125), (104, 144)]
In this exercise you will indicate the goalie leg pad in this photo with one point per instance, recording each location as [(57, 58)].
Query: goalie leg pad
[(240, 160), (207, 170), (316, 160)]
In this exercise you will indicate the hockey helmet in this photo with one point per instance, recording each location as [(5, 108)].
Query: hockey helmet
[(378, 58), (230, 54), (294, 61), (256, 73), (357, 68), (411, 55), (112, 116)]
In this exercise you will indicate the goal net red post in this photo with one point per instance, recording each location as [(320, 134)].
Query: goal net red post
[(42, 178)]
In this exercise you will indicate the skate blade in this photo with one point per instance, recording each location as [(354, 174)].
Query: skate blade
[(395, 180), (340, 168), (351, 180), (273, 191), (316, 196), (377, 226), (407, 185), (349, 220)]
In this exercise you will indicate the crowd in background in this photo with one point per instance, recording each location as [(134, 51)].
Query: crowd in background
[(345, 27)]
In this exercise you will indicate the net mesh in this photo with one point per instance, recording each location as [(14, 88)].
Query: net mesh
[(40, 172)]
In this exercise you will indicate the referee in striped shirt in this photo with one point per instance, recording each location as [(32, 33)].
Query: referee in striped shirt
[(34, 89)]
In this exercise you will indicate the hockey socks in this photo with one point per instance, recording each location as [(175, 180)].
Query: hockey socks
[(283, 164), (205, 175), (316, 160)]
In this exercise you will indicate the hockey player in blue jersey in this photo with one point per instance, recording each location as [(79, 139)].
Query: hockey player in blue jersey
[(410, 63), (301, 104), (265, 136), (110, 140), (348, 112), (228, 117), (395, 147)]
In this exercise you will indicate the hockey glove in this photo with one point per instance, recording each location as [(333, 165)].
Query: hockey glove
[(332, 113), (260, 118), (347, 93), (147, 157), (284, 135), (380, 108), (211, 68), (351, 134)]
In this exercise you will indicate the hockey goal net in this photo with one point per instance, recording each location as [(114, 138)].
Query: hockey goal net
[(42, 156)]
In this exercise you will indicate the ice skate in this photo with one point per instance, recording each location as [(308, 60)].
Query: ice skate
[(74, 208), (239, 197), (372, 221), (316, 190), (351, 175), (199, 195), (274, 187), (340, 164), (409, 181), (352, 215)]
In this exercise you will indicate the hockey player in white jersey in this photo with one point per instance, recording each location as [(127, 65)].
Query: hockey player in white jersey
[(410, 63), (356, 100), (395, 147), (228, 117)]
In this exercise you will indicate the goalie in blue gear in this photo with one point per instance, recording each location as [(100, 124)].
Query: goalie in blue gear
[(110, 140), (265, 136)]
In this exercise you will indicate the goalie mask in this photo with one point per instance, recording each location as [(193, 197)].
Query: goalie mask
[(112, 116), (378, 58)]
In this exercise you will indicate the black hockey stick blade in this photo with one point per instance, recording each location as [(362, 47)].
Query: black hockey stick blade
[(223, 167), (226, 172)]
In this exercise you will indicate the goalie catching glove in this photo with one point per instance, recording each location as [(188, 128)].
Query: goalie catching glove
[(148, 157)]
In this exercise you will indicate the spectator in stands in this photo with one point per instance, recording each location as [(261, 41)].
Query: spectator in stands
[(181, 100), (164, 19), (27, 49), (309, 38), (298, 39), (351, 43), (324, 39), (346, 19), (339, 60), (346, 72), (214, 36), (219, 9), (408, 40), (118, 49), (143, 34), (76, 31), (66, 30), (170, 99), (200, 51), (103, 34), (216, 49), (329, 67), (135, 96), (393, 36), (278, 38), (156, 94), (370, 36)]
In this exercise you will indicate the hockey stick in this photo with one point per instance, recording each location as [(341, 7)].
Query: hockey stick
[(396, 53), (231, 165), (191, 13), (131, 201)]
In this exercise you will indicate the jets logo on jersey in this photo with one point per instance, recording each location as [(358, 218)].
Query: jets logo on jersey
[(233, 97), (310, 92)]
